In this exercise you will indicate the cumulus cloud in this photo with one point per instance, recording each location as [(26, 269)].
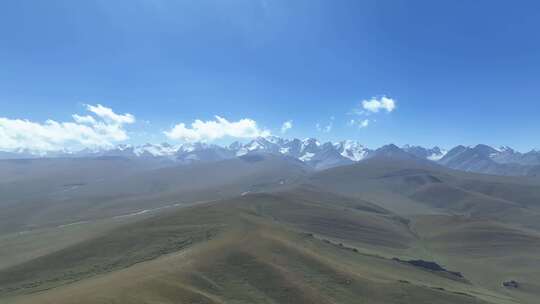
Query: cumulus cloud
[(286, 126), (100, 130), (215, 129), (374, 105), (109, 116), (87, 119)]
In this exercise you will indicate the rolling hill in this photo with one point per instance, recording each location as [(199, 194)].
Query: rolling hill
[(267, 229), (78, 194), (241, 251)]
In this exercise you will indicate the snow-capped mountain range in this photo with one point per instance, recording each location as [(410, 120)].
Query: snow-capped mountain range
[(480, 158), (486, 159)]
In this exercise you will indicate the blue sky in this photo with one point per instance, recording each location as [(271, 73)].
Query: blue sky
[(458, 72)]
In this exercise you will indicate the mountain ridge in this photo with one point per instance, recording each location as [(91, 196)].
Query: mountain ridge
[(318, 155)]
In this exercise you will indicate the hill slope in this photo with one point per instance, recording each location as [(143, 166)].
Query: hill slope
[(78, 198), (244, 250), (381, 231)]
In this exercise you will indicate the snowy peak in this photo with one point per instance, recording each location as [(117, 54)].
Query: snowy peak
[(310, 145), (151, 150), (260, 144), (485, 150), (480, 158), (352, 150), (486, 159), (433, 154)]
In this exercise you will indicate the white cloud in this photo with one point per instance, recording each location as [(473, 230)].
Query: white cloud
[(360, 123), (325, 129), (85, 131), (375, 104), (286, 126), (87, 119), (216, 129), (108, 115)]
